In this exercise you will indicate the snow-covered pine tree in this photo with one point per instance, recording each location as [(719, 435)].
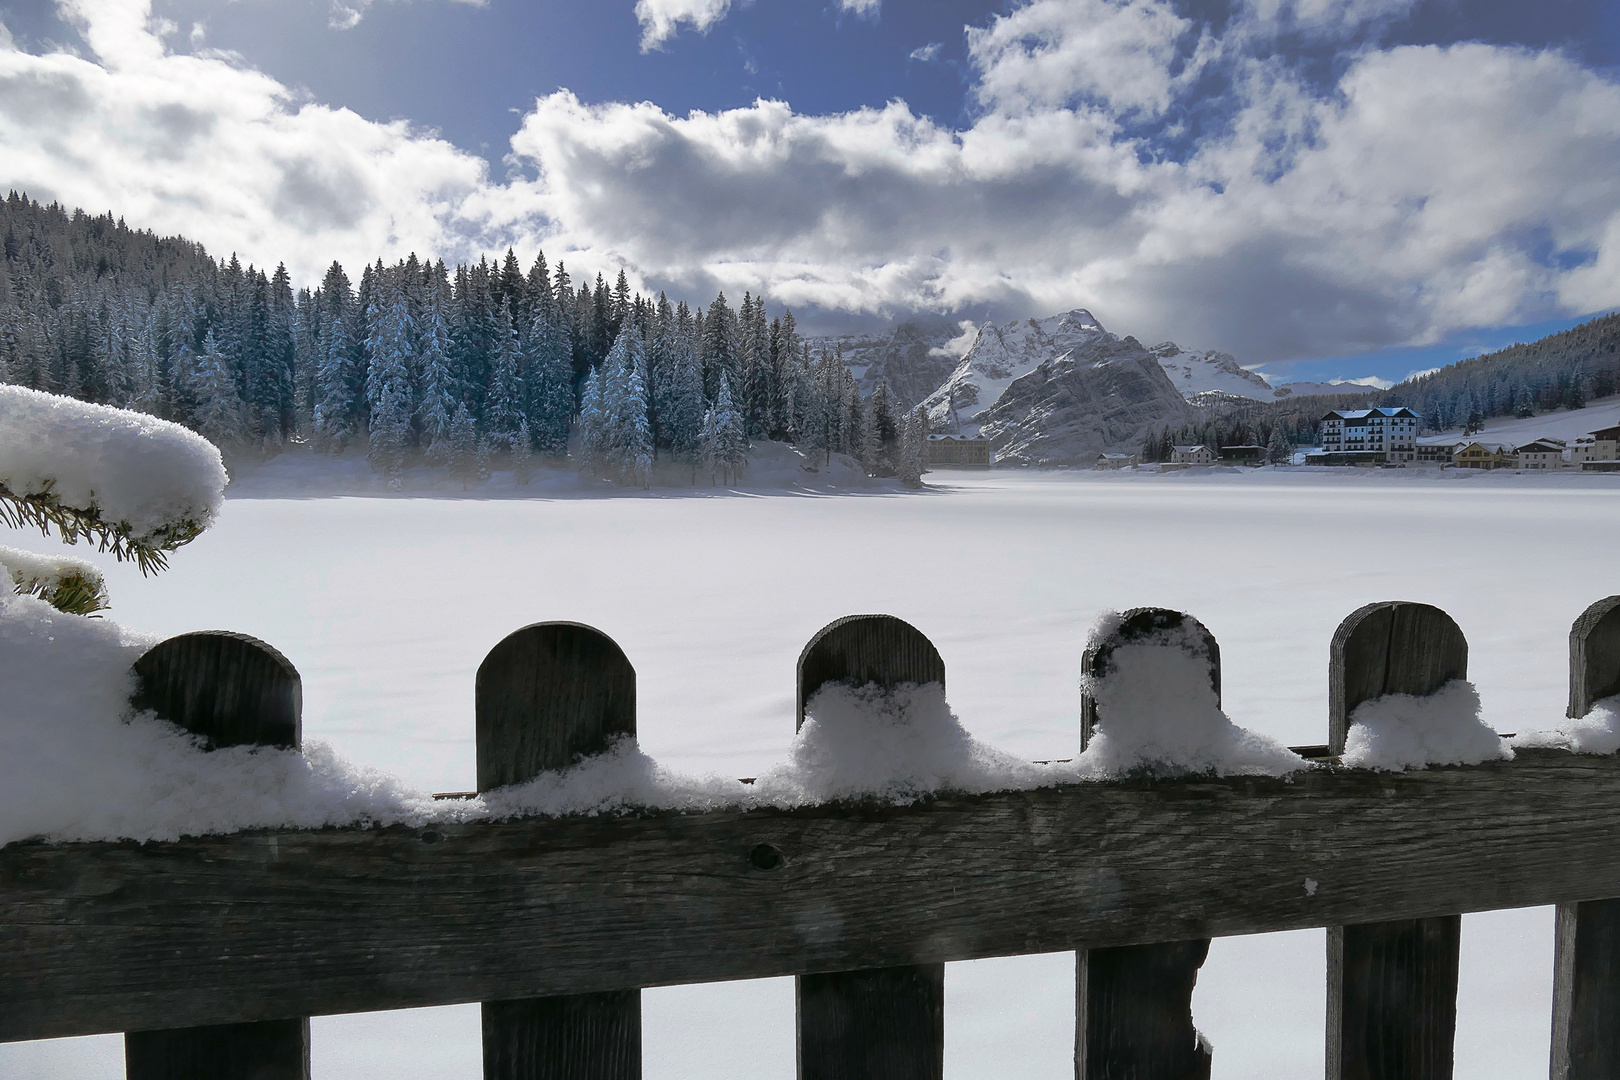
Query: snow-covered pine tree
[(550, 377), (1279, 450), (463, 458), (592, 447), (718, 348), (219, 406), (723, 441), (437, 407), (522, 463), (388, 383), (504, 404), (914, 448), (632, 436)]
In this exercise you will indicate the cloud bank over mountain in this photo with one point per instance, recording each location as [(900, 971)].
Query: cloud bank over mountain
[(1184, 179)]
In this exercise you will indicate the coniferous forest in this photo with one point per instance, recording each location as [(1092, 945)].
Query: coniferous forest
[(475, 367)]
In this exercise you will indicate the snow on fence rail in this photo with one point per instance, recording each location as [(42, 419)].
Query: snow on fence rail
[(212, 952)]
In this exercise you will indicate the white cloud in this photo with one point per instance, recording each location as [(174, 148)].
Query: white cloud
[(866, 9), (1426, 191), (926, 54), (226, 155), (346, 14), (662, 19)]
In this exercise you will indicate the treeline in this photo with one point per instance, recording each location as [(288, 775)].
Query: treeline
[(1561, 371), (1255, 426), (459, 367)]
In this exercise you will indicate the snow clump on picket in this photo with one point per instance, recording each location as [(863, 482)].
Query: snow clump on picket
[(75, 764), (1401, 731), (896, 745), (159, 482), (1158, 714), (1598, 732)]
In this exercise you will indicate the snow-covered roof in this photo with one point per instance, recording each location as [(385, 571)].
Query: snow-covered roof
[(957, 438), (1546, 446), (1399, 412)]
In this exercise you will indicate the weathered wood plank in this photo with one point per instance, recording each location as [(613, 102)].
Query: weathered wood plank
[(1586, 983), (1392, 985), (546, 696), (1133, 1015), (881, 1023), (252, 926), (233, 690), (265, 1050)]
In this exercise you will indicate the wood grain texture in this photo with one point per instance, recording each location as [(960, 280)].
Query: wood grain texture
[(872, 1025), (108, 937), (233, 690), (879, 1023), (1133, 1013), (1133, 1016), (1586, 982), (547, 695), (861, 649), (1390, 648), (570, 1037), (1594, 656), (1392, 986), (265, 1050)]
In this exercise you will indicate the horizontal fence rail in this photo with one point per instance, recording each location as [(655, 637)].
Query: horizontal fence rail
[(556, 924)]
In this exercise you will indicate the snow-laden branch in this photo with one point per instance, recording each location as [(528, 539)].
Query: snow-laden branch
[(130, 483), (67, 584)]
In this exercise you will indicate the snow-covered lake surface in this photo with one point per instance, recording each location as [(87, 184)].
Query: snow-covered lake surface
[(387, 605)]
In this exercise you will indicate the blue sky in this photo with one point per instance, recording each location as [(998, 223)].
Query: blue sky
[(1327, 187)]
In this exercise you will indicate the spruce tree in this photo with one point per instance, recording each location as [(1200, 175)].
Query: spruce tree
[(219, 407)]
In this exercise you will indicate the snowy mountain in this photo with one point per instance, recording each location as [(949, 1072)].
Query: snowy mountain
[(1337, 386), (915, 357), (1104, 393), (1001, 354), (1195, 373)]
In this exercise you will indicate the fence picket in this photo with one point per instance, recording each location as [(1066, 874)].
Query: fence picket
[(1586, 986), (233, 690), (1133, 1003), (880, 1023), (547, 695), (1392, 987)]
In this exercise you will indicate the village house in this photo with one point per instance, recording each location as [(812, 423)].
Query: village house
[(1479, 455), (1391, 432), (1437, 451), (1196, 454), (1598, 451), (1541, 454), (1243, 455), (1115, 461), (969, 451)]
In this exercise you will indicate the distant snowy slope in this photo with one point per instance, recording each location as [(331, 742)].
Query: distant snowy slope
[(913, 358), (1335, 386), (1566, 424), (1195, 373)]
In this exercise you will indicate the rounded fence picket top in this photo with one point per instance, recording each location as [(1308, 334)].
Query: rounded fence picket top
[(1137, 625), (861, 649), (1391, 647), (228, 688), (1594, 656), (547, 695)]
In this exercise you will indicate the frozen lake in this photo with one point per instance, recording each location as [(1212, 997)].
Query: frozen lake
[(386, 606)]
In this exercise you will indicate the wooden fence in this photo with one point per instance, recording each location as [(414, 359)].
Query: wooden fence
[(212, 952)]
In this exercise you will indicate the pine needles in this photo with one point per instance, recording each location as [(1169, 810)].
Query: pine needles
[(44, 511)]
